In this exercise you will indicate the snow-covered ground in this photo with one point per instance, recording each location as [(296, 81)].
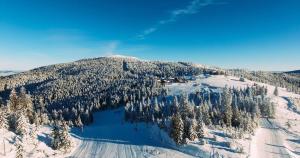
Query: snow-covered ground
[(41, 150), (273, 138), (111, 137)]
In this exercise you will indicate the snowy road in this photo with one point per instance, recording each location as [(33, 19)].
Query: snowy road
[(269, 143)]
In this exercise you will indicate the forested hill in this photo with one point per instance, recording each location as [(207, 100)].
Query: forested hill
[(90, 84), (294, 72)]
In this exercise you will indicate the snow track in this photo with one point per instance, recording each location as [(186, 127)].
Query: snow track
[(111, 137), (270, 142)]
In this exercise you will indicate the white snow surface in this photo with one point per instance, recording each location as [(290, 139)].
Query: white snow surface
[(42, 150), (123, 56), (273, 138), (111, 137)]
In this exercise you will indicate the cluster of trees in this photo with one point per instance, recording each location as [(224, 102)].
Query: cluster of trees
[(185, 116), (60, 136), (20, 116), (291, 81), (73, 91)]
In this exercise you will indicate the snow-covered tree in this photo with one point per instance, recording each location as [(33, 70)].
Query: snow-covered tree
[(26, 104), (205, 113), (227, 111), (177, 128), (200, 129), (192, 134), (13, 102), (276, 91), (19, 147), (65, 137), (33, 135), (3, 119), (22, 124), (55, 134), (60, 137), (79, 123)]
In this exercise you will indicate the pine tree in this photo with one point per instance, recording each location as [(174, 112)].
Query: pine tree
[(13, 102), (174, 106), (26, 104), (33, 135), (19, 147), (186, 109), (3, 119), (200, 129), (56, 141), (22, 124), (192, 134), (205, 113), (79, 123), (276, 91), (60, 137), (65, 137), (227, 112), (177, 129)]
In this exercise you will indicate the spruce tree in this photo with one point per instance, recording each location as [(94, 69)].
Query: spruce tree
[(19, 147), (227, 111), (65, 137), (177, 129), (3, 119), (56, 141), (33, 135), (200, 128), (192, 134), (22, 124), (13, 102), (276, 91)]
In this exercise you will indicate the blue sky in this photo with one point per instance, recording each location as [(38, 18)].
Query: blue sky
[(252, 34)]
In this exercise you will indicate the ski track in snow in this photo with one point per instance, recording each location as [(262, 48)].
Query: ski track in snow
[(113, 138), (269, 143)]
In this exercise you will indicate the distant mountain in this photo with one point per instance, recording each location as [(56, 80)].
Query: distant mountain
[(7, 73), (294, 72), (90, 84)]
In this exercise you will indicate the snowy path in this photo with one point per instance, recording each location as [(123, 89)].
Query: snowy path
[(98, 149), (269, 142), (110, 137)]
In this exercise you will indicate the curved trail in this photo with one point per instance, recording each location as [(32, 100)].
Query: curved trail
[(113, 138), (269, 143)]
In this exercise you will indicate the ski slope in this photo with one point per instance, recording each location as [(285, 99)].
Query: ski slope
[(273, 138), (269, 142), (110, 137)]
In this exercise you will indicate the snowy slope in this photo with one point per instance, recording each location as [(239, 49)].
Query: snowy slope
[(41, 150), (110, 137), (273, 138)]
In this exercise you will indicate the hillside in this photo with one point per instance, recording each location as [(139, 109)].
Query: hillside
[(163, 109), (293, 72), (91, 84)]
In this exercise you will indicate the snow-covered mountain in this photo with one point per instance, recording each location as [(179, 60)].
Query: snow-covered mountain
[(125, 107)]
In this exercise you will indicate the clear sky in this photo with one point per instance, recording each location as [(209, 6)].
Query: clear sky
[(252, 34)]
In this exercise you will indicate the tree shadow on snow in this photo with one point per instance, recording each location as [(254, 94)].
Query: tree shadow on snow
[(110, 127)]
